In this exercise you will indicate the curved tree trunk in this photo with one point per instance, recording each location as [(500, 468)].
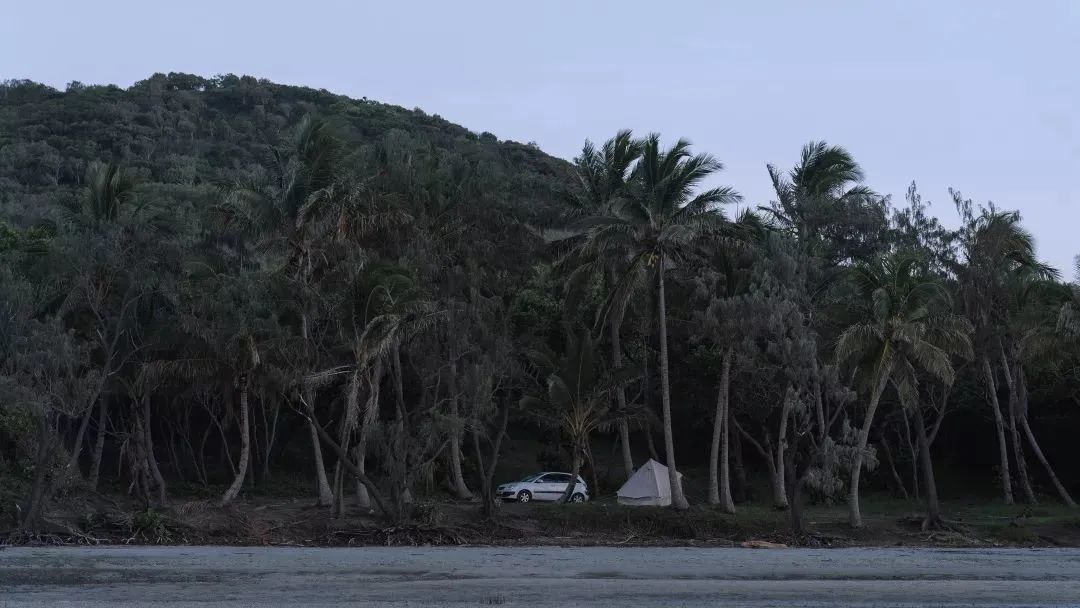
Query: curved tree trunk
[(678, 500), (325, 494), (887, 451), (933, 506), (854, 514), (1014, 433), (76, 450), (151, 459), (245, 445), (457, 480), (99, 441), (999, 423), (776, 483), (719, 460), (1021, 386), (35, 507)]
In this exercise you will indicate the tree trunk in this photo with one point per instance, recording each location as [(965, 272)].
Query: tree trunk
[(372, 489), (575, 471), (620, 392), (892, 466), (793, 483), (740, 490), (776, 477), (913, 450), (99, 441), (245, 444), (1021, 385), (76, 450), (151, 459), (457, 480), (714, 449), (781, 445), (325, 496), (1014, 433), (270, 434), (35, 507), (1003, 450), (678, 500), (487, 472), (933, 507), (726, 502), (363, 498), (776, 483), (854, 514), (719, 460)]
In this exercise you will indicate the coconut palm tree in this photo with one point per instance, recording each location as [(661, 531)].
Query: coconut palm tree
[(1032, 336), (283, 213), (822, 203), (903, 325), (603, 176), (657, 226), (994, 247), (576, 397)]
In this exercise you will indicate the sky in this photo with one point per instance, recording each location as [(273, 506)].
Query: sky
[(981, 96)]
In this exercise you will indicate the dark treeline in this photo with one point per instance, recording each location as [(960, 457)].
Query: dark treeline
[(215, 281)]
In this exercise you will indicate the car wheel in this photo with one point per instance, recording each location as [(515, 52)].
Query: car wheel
[(524, 496), (577, 497)]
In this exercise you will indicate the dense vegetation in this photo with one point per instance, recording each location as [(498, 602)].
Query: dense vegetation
[(213, 281)]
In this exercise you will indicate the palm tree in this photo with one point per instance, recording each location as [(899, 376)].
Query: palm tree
[(903, 325), (995, 247), (577, 395), (655, 227), (821, 199), (284, 212), (109, 188), (1033, 336), (604, 174), (731, 257)]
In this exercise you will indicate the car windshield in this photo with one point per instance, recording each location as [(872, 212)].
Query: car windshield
[(530, 478)]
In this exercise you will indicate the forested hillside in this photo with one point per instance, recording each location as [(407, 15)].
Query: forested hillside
[(223, 283)]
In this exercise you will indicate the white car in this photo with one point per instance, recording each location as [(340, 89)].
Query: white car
[(544, 486)]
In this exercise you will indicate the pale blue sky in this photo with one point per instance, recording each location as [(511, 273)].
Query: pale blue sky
[(983, 96)]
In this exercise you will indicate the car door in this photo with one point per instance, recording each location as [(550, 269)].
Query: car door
[(546, 487), (558, 484)]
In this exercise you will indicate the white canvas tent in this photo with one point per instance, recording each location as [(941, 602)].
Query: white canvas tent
[(648, 486)]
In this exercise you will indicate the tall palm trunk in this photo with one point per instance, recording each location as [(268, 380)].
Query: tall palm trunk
[(999, 423), (854, 514), (245, 444), (726, 501), (678, 500), (99, 441), (719, 457), (620, 392), (1021, 385), (781, 495), (1014, 432), (933, 506)]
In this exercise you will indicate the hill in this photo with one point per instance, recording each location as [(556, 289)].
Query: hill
[(185, 131)]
